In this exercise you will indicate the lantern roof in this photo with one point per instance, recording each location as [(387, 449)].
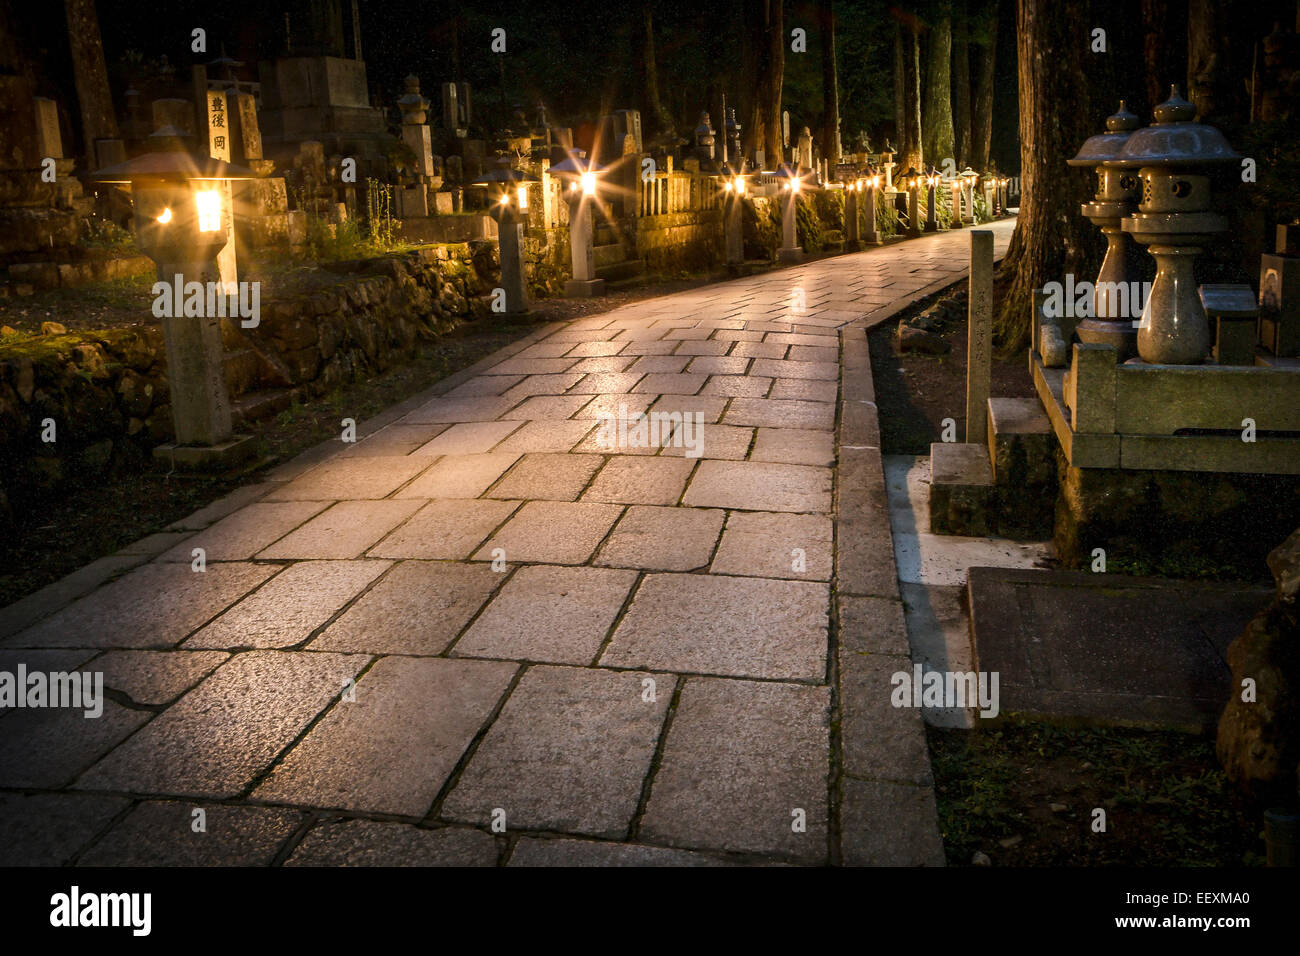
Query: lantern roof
[(173, 166), (1106, 146), (1174, 139)]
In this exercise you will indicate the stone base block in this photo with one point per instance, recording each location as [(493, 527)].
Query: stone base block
[(207, 457), (790, 255), (584, 288), (962, 493)]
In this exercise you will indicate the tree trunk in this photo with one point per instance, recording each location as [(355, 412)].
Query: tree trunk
[(899, 112), (982, 107), (765, 23), (911, 145), (831, 149), (937, 114), (662, 118), (960, 86), (1159, 56), (1219, 53), (1051, 238)]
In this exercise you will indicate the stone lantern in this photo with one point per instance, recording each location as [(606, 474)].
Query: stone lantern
[(931, 214), (182, 222), (704, 139), (508, 205), (733, 129), (1173, 156), (581, 177), (734, 186), (1116, 197), (968, 177), (793, 184), (871, 183), (912, 183)]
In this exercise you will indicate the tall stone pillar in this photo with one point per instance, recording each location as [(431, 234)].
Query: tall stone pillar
[(98, 121)]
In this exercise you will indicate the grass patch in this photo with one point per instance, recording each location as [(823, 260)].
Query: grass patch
[(1023, 792)]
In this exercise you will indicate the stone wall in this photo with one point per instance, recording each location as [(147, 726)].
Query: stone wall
[(107, 393), (680, 242)]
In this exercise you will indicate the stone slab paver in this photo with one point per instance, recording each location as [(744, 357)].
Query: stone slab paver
[(447, 529), (370, 843), (47, 829), (794, 446), (470, 438), (538, 851), (552, 532), (548, 477), (460, 476), (284, 611), (352, 478), (555, 615), (568, 753), (154, 678), (710, 624), (392, 748), (779, 413), (162, 833), (662, 539), (741, 759), (48, 747), (157, 605), (345, 530), (635, 480), (219, 736), (762, 544), (759, 486), (240, 536), (418, 608)]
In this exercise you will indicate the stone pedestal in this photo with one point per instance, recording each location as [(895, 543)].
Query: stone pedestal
[(790, 251), (510, 239), (852, 233), (913, 213), (931, 213), (872, 235), (584, 283)]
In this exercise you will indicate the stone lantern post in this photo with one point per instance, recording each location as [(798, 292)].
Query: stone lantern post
[(508, 196), (852, 229), (957, 220), (968, 177), (912, 183), (182, 223), (581, 178), (1117, 193), (734, 187), (1174, 220), (871, 183), (791, 187), (931, 215)]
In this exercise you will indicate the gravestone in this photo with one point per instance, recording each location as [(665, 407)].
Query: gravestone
[(49, 141)]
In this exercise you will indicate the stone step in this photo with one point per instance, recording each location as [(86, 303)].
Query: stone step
[(962, 493), (620, 271), (1020, 438)]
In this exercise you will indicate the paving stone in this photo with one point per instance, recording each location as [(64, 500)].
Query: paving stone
[(545, 350), (706, 409), (392, 749), (555, 615), (787, 368), (397, 439), (448, 410), (877, 739), (485, 385), (546, 436), (214, 512), (472, 438), (710, 624), (548, 407), (888, 824), (614, 406), (445, 529), (759, 486), (218, 737), (352, 478), (154, 678), (872, 625), (47, 829), (368, 843), (161, 833), (719, 365), (568, 753), (813, 353), (778, 413), (804, 390), (155, 544), (745, 386), (628, 479), (761, 350), (154, 606), (703, 347), (538, 851), (798, 338), (544, 385), (548, 477), (53, 597), (47, 748), (606, 383), (240, 536), (285, 610), (740, 757), (345, 530), (418, 608), (794, 446), (663, 539), (595, 349), (543, 366), (609, 363), (669, 383), (460, 476), (650, 347), (555, 532), (761, 544)]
